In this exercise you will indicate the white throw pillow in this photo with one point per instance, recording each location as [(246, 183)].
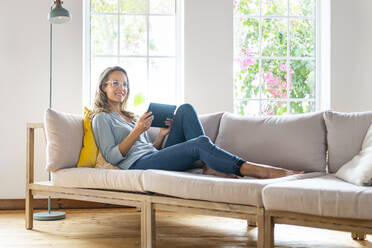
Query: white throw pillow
[(64, 136), (359, 170)]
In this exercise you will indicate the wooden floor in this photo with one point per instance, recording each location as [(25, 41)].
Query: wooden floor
[(95, 228)]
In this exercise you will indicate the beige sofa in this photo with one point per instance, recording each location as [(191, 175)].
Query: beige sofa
[(293, 142)]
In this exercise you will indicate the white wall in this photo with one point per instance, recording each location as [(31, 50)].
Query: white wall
[(208, 55), (24, 70), (351, 55)]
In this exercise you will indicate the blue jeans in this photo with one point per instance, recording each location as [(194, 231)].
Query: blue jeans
[(187, 144)]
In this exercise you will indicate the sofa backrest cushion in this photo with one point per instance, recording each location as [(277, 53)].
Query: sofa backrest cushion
[(64, 137), (293, 142), (211, 124), (345, 135)]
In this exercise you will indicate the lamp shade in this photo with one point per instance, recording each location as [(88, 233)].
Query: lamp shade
[(58, 14)]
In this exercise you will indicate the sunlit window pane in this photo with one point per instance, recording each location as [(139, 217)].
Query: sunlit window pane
[(247, 107), (133, 6), (274, 79), (247, 7), (275, 7), (246, 78), (301, 7), (274, 107), (302, 44), (274, 37), (104, 34), (162, 76), (300, 107), (133, 35), (162, 35), (104, 6), (302, 76), (162, 6)]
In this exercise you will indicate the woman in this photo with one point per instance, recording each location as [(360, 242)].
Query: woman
[(124, 142)]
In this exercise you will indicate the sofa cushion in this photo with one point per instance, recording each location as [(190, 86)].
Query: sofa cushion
[(211, 124), (322, 196), (295, 142), (64, 138), (211, 188), (84, 177), (101, 163), (345, 134), (89, 151), (359, 170)]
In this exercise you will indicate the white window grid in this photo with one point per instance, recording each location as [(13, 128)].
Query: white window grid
[(288, 58), (88, 54)]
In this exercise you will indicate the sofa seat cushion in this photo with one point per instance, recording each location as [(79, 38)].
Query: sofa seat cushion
[(84, 177), (323, 196), (211, 188)]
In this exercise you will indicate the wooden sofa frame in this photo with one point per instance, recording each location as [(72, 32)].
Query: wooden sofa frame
[(147, 203), (358, 228)]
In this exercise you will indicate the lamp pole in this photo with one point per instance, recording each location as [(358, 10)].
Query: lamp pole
[(57, 15)]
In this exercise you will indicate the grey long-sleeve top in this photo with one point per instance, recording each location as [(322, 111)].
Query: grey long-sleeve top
[(110, 129)]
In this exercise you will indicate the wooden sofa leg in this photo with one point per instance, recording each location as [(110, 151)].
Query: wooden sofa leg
[(251, 223), (269, 232), (261, 229), (29, 204), (148, 237), (29, 210), (359, 236)]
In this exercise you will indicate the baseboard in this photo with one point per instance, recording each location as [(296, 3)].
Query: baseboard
[(14, 204)]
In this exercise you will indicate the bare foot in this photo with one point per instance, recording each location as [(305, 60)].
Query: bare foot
[(265, 171), (278, 172), (209, 171)]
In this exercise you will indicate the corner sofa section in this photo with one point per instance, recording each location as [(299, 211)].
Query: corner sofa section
[(326, 201)]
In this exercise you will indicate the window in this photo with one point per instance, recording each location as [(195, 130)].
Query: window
[(140, 36), (275, 57)]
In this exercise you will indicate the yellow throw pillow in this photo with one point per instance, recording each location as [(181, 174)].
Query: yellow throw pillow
[(89, 152), (102, 164)]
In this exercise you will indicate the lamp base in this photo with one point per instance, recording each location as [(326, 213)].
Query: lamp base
[(49, 216)]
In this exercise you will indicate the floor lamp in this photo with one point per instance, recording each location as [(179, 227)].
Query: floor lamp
[(57, 15)]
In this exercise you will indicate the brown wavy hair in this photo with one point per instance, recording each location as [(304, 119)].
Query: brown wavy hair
[(101, 101)]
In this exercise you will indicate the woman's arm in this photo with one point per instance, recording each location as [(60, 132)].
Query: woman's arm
[(142, 125)]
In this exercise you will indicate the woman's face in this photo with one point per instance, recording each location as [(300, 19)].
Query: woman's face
[(116, 87)]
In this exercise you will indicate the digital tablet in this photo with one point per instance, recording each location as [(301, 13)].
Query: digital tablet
[(161, 112)]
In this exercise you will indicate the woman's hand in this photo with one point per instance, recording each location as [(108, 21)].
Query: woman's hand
[(165, 130), (144, 122)]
